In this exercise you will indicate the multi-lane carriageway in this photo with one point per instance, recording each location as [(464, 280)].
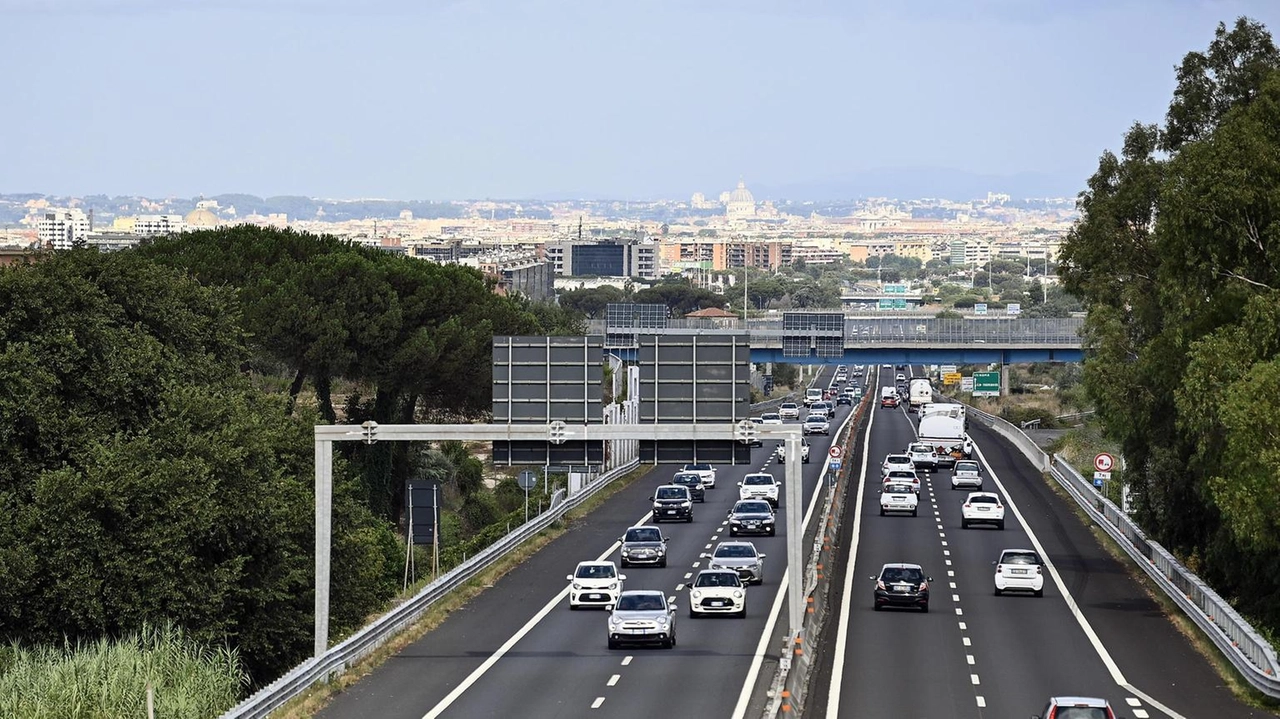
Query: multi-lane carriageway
[(517, 650)]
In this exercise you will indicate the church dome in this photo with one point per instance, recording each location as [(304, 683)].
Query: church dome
[(201, 219), (742, 194)]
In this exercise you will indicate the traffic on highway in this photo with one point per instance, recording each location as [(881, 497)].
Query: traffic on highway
[(664, 600)]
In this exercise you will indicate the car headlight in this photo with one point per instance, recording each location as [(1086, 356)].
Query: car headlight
[(686, 504), (662, 621), (662, 550), (612, 586), (577, 586), (714, 565), (626, 552), (737, 594), (697, 594), (735, 520), (767, 521), (614, 622)]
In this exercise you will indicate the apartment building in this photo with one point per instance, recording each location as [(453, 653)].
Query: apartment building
[(60, 229), (727, 254), (156, 225), (613, 258), (519, 271)]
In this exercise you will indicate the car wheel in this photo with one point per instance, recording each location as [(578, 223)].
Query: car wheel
[(742, 613), (875, 606), (915, 513), (773, 532), (733, 532), (663, 563), (671, 642), (925, 607), (997, 592), (692, 614), (882, 511), (613, 644), (689, 519), (1000, 524), (573, 607), (624, 564), (964, 524), (1039, 592)]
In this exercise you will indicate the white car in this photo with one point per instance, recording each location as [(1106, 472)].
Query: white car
[(966, 473), (771, 418), (804, 451), (902, 476), (642, 617), (759, 485), (895, 461), (704, 470), (898, 497), (982, 508), (789, 410), (922, 456), (900, 378), (812, 395), (1019, 569), (717, 591), (594, 584), (817, 424)]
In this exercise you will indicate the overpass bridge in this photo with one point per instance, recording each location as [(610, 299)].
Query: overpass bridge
[(836, 338)]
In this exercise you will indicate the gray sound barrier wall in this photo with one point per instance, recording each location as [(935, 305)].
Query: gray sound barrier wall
[(695, 378), (537, 380)]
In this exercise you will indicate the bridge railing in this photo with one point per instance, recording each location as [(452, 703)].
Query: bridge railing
[(1251, 654), (895, 331)]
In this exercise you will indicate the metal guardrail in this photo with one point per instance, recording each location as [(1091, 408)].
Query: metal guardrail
[(343, 655), (1251, 654)]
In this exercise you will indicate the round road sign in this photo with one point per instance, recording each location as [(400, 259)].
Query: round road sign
[(528, 480), (834, 451), (1104, 462)]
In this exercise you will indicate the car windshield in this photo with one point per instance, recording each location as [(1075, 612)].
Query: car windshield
[(754, 479), (902, 574), (641, 602), (751, 507), (1019, 558), (644, 535), (700, 467), (735, 550), (966, 466), (596, 571), (984, 499), (902, 473), (899, 459), (788, 405), (771, 415), (672, 493), (687, 479), (921, 448), (718, 579), (1080, 713), (816, 418)]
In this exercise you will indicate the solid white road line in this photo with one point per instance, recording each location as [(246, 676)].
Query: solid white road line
[(1090, 634), (479, 671), (842, 629), (762, 648)]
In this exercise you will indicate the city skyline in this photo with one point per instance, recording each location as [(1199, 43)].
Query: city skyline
[(563, 100)]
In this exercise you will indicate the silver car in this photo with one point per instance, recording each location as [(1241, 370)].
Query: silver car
[(742, 558), (642, 616)]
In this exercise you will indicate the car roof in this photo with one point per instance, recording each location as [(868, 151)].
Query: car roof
[(643, 592), (644, 526), (734, 572), (983, 494), (738, 543), (888, 457), (594, 563), (901, 565), (1017, 551), (759, 474), (751, 501)]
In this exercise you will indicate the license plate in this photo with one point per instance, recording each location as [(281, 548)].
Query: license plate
[(671, 511), (982, 509), (1017, 571), (717, 602), (753, 524)]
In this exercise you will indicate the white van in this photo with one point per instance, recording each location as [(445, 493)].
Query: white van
[(811, 395)]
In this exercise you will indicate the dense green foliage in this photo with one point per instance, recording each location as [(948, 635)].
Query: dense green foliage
[(107, 679), (1176, 258)]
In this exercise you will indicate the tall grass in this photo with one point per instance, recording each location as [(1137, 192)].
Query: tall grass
[(107, 679)]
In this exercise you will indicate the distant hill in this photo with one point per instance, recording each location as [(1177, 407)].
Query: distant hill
[(918, 182)]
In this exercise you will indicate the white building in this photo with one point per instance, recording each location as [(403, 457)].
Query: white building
[(60, 229), (156, 225)]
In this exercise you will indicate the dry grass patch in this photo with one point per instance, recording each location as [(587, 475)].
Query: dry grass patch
[(316, 698)]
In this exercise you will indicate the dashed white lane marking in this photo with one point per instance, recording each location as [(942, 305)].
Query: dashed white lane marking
[(974, 678), (596, 704), (1140, 713), (707, 547), (626, 661), (959, 612), (982, 702), (963, 626), (725, 522), (695, 564), (688, 575), (944, 543), (966, 641), (955, 597), (614, 679), (953, 584), (1132, 701), (951, 572), (946, 552), (948, 562), (969, 658), (680, 587)]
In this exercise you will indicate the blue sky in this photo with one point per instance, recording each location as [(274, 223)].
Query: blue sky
[(436, 99)]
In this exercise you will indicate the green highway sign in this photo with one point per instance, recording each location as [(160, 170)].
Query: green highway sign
[(986, 384), (895, 289)]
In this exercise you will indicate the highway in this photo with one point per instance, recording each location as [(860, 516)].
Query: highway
[(978, 655), (517, 649)]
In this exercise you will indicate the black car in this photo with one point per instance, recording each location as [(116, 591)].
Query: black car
[(752, 516), (902, 585), (671, 503), (644, 545), (697, 492), (845, 399)]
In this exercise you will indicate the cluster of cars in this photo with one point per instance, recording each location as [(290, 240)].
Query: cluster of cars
[(644, 616), (906, 585)]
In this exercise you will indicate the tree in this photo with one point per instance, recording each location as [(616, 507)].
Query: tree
[(591, 302), (785, 375)]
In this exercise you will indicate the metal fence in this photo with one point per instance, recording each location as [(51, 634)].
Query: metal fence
[(341, 657), (893, 331), (1247, 650)]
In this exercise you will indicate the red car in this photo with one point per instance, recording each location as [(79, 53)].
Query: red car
[(888, 401)]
